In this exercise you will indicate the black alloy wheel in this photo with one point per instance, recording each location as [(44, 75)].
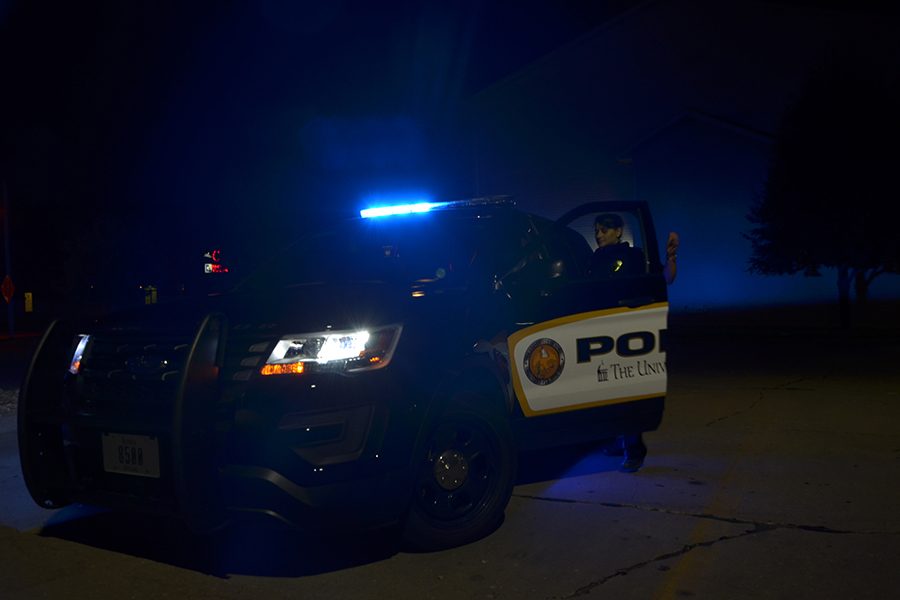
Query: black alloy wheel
[(464, 481)]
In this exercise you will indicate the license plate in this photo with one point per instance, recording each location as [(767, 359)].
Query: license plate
[(131, 454)]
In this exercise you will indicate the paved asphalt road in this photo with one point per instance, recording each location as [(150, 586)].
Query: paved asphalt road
[(776, 474)]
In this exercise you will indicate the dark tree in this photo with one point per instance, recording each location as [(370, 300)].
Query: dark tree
[(832, 198)]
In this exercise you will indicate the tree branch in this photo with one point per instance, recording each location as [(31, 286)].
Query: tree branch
[(873, 274)]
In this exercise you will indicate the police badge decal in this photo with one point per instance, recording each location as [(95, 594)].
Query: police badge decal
[(544, 361)]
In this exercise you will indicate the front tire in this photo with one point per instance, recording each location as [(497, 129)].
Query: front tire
[(464, 478)]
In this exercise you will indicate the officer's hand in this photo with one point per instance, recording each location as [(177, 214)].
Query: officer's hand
[(672, 245)]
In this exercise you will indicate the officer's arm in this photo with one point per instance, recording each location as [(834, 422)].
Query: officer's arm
[(671, 267)]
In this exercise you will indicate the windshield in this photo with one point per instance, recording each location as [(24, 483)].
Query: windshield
[(404, 250)]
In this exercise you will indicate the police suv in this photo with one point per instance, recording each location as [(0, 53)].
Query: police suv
[(386, 371)]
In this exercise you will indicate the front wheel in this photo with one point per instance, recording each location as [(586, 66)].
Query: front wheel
[(464, 479)]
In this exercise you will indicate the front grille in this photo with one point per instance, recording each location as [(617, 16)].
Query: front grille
[(126, 385), (128, 358), (128, 372), (131, 376)]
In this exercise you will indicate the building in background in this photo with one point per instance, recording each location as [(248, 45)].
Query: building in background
[(675, 102)]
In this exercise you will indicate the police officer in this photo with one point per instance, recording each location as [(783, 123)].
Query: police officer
[(613, 257)]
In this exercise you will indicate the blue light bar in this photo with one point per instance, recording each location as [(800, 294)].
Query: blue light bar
[(399, 209)]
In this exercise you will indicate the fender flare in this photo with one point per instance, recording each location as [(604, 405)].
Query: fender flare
[(478, 374)]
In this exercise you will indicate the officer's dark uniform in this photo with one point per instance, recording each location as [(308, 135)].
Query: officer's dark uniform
[(617, 260), (622, 260)]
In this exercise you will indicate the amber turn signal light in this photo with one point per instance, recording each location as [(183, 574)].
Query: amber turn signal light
[(283, 369)]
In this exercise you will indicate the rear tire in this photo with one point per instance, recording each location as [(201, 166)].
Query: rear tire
[(463, 478)]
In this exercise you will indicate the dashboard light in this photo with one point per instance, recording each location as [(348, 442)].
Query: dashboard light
[(214, 268)]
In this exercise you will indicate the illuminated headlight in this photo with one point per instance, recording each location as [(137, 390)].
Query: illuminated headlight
[(81, 342), (346, 351)]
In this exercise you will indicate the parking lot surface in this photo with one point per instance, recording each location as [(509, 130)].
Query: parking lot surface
[(775, 474)]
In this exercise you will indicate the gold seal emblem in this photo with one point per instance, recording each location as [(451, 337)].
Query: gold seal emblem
[(544, 361)]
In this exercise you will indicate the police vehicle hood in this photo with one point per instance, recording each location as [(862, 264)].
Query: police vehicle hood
[(300, 308)]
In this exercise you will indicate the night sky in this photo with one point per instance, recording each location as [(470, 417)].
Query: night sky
[(139, 133), (136, 135)]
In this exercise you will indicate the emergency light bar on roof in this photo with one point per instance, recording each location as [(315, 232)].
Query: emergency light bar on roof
[(422, 207), (399, 209)]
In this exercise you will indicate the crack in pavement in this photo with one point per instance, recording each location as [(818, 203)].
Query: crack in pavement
[(708, 516), (737, 412), (754, 527), (588, 588), (787, 385)]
